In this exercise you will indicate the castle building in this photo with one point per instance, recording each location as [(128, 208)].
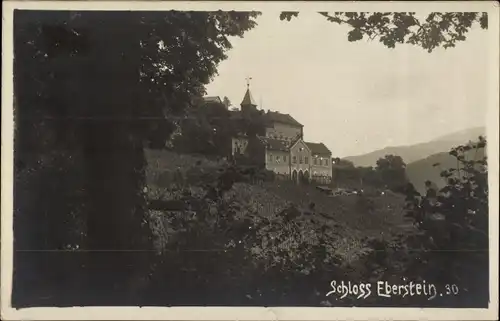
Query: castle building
[(282, 149)]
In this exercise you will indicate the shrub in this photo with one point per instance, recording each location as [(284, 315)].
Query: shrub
[(454, 223), (259, 243), (365, 204)]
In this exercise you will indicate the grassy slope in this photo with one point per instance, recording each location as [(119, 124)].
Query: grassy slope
[(353, 219), (385, 216), (163, 165)]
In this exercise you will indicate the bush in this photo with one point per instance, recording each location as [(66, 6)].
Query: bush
[(260, 244), (454, 223), (450, 244), (268, 251), (365, 204)]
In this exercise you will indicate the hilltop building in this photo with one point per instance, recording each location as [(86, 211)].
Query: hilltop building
[(281, 147), (212, 99)]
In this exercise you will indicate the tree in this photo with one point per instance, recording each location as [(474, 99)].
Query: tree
[(207, 130), (226, 102), (392, 171), (454, 223), (390, 162), (369, 176), (338, 162), (95, 87), (438, 29)]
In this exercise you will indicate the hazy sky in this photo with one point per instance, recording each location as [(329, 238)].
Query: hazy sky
[(356, 97)]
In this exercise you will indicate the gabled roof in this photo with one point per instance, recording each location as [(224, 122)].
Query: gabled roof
[(275, 144), (277, 117), (318, 149), (248, 99), (296, 141), (212, 99)]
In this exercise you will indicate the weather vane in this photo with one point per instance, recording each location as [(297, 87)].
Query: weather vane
[(248, 81)]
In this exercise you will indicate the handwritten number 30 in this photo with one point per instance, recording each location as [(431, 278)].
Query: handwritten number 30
[(453, 289)]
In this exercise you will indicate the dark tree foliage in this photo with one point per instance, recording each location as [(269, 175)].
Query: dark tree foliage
[(210, 126), (438, 29), (207, 130), (346, 174), (91, 88), (342, 162), (454, 224), (392, 171), (370, 176)]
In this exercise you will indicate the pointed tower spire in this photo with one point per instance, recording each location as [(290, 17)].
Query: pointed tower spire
[(248, 100)]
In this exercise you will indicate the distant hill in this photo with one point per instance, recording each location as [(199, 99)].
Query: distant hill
[(422, 170), (416, 152)]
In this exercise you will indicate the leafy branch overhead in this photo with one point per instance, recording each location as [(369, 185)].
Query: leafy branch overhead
[(439, 29)]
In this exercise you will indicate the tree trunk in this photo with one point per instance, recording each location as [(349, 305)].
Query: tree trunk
[(117, 230), (119, 240)]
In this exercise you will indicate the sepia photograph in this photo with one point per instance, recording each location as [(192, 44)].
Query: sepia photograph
[(250, 155)]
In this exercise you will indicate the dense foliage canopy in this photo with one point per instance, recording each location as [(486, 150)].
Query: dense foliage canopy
[(91, 88), (438, 29)]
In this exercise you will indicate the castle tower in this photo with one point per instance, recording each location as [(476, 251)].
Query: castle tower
[(248, 103)]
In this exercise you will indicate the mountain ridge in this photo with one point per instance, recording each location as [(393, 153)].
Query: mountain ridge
[(423, 169), (415, 152)]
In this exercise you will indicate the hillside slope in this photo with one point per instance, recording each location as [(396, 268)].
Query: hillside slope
[(416, 152), (372, 216), (170, 176), (422, 170)]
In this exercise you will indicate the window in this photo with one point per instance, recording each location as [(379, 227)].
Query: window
[(284, 158), (315, 161), (277, 158), (300, 159), (307, 160), (326, 161), (270, 157), (294, 159)]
